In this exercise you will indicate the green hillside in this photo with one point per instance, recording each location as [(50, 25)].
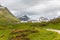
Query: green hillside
[(5, 15), (6, 18)]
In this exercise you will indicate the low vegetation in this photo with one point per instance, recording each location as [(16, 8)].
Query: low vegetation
[(25, 34), (12, 29)]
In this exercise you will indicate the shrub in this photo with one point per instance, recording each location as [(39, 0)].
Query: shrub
[(55, 21), (43, 24)]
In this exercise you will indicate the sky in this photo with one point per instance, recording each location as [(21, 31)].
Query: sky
[(33, 8)]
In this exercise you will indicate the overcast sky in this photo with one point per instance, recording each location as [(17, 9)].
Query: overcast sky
[(33, 8)]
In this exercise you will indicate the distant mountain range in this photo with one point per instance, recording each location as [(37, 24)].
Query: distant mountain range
[(26, 18)]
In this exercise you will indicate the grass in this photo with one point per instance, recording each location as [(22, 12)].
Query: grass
[(41, 35), (8, 23), (53, 26), (6, 16), (4, 34), (45, 35)]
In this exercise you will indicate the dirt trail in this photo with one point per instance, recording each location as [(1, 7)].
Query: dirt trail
[(58, 31)]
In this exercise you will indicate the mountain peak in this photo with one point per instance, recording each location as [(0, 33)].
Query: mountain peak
[(24, 18)]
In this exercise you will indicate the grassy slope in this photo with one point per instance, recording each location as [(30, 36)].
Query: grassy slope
[(41, 35), (6, 18), (53, 26), (45, 35), (6, 15)]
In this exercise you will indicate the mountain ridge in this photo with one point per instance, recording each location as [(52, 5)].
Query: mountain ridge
[(6, 16)]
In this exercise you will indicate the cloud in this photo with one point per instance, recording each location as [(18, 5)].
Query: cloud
[(47, 8)]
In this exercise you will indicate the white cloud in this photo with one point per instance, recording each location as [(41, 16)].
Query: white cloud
[(58, 13), (48, 8), (50, 5)]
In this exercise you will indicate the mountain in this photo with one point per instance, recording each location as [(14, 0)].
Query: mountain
[(43, 19), (6, 16), (24, 18)]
